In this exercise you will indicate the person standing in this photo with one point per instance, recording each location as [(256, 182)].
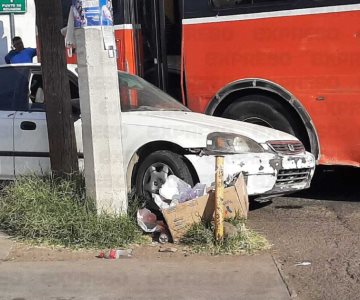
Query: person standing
[(19, 54)]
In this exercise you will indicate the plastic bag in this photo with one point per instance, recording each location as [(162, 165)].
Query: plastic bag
[(179, 191), (147, 220), (160, 201), (174, 188)]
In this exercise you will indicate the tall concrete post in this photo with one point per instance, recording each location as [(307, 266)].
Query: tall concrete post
[(101, 120)]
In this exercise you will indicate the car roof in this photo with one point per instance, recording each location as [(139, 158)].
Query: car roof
[(20, 65), (71, 67)]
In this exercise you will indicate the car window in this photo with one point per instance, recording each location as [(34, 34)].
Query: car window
[(136, 94), (74, 90), (36, 94), (13, 87)]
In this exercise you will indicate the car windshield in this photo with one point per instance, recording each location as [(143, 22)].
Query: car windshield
[(136, 94)]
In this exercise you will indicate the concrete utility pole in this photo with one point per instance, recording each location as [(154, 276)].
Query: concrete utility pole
[(100, 110)]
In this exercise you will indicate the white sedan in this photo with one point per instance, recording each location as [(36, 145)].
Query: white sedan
[(160, 136)]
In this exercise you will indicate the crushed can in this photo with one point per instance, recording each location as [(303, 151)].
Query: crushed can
[(164, 238)]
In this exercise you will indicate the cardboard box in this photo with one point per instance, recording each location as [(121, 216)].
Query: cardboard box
[(182, 216)]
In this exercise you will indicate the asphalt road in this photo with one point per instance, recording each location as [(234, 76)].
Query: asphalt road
[(319, 229)]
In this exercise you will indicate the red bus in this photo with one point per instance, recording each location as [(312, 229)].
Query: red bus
[(287, 64)]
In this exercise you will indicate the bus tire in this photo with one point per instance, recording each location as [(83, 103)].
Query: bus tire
[(266, 111)]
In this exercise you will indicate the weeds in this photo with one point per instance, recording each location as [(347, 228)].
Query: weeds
[(57, 212), (200, 238)]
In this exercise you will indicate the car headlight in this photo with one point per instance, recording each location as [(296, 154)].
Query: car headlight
[(228, 143)]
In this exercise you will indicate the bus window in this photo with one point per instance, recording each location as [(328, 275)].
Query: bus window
[(221, 4), (226, 4)]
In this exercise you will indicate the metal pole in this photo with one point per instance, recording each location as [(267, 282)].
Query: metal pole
[(12, 26), (219, 198)]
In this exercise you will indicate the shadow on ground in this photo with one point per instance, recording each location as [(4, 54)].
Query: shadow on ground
[(329, 183), (334, 183)]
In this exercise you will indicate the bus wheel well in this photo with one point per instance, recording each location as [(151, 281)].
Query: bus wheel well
[(291, 113), (145, 150)]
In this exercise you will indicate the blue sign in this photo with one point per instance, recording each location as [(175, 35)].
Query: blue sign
[(92, 13)]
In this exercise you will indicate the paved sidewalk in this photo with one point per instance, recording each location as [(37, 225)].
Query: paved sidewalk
[(239, 277)]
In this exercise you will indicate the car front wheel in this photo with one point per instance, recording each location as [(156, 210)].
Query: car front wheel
[(155, 169)]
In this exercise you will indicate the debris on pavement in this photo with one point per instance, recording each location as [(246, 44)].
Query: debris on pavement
[(178, 191), (168, 249), (124, 253), (147, 220), (164, 237), (116, 254), (303, 264), (150, 224), (175, 189), (183, 205), (163, 203)]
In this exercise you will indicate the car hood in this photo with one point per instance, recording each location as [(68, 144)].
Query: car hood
[(200, 124)]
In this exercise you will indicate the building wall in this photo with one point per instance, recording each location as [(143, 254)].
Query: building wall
[(24, 27)]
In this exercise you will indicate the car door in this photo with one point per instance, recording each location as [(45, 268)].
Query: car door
[(30, 130), (13, 83)]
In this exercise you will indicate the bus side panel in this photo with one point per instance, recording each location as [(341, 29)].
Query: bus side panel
[(71, 59), (125, 44), (315, 57)]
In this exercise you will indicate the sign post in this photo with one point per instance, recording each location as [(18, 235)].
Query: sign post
[(12, 7), (100, 105), (12, 26)]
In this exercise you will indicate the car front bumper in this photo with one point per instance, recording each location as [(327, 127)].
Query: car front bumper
[(266, 173)]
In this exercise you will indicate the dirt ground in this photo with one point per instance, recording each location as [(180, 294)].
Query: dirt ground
[(27, 253), (321, 227)]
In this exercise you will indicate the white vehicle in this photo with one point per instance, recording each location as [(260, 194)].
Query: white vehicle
[(160, 137)]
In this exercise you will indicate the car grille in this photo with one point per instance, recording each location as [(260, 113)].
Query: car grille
[(292, 176), (287, 147)]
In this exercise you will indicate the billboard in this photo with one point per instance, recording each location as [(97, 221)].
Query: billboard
[(92, 13)]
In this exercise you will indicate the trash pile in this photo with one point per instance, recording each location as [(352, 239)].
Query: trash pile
[(175, 191), (182, 205), (150, 224)]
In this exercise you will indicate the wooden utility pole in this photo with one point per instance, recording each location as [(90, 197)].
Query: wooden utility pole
[(60, 124), (219, 198)]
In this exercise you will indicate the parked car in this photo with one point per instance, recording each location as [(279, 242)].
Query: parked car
[(160, 137)]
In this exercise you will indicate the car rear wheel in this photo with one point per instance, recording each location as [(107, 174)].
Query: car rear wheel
[(155, 169)]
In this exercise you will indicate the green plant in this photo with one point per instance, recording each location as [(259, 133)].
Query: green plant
[(56, 211), (200, 237)]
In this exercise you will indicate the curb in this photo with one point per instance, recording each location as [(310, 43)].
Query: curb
[(290, 289)]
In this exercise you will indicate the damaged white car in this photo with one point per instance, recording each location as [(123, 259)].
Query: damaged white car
[(160, 137)]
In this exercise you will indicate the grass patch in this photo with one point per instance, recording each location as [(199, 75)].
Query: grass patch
[(53, 211), (200, 237)]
